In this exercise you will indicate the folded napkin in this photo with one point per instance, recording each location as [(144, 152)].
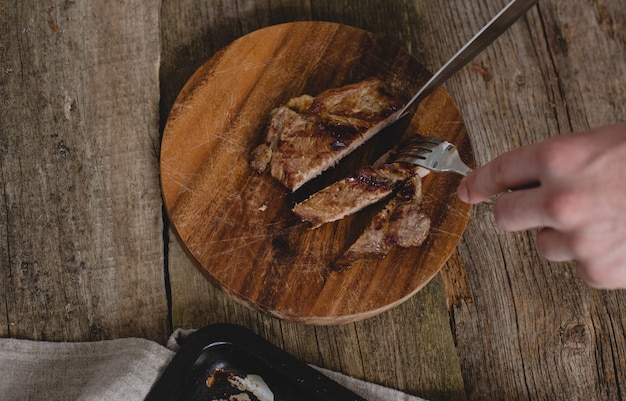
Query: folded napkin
[(123, 369)]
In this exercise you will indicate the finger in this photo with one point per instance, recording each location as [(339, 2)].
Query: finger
[(554, 245), (520, 210), (602, 266), (514, 169), (611, 278), (583, 272)]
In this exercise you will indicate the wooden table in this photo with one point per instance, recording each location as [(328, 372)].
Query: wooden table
[(87, 254)]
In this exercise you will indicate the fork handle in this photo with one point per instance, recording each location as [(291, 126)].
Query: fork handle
[(490, 32), (457, 166), (460, 168)]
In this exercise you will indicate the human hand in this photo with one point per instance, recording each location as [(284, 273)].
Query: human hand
[(571, 187)]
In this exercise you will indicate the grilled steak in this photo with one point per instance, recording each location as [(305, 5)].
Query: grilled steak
[(368, 185), (365, 187), (311, 134), (401, 222)]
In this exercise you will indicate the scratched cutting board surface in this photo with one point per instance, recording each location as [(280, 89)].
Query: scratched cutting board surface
[(237, 225)]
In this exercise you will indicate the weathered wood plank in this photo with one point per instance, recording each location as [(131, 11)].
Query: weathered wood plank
[(82, 254), (525, 328), (410, 347), (78, 133)]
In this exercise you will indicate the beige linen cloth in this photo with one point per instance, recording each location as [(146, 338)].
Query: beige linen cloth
[(123, 369)]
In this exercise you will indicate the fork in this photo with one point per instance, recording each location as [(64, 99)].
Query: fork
[(435, 154), (438, 154)]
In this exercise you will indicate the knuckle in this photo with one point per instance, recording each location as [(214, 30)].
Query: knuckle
[(552, 157), (560, 156), (564, 208)]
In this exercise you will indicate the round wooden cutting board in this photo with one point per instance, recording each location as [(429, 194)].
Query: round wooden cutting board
[(237, 225)]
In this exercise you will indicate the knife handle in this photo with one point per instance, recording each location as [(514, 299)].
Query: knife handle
[(483, 38)]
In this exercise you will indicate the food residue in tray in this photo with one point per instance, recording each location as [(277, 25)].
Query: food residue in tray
[(227, 383)]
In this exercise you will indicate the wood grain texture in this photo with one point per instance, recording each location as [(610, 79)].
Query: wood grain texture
[(409, 347), (515, 317), (525, 328), (79, 188), (238, 224), (417, 352), (81, 243)]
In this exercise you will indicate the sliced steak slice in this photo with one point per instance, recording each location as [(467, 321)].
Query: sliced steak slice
[(402, 222), (368, 185), (308, 135), (365, 187)]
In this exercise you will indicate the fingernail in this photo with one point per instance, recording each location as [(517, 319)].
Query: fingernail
[(462, 191)]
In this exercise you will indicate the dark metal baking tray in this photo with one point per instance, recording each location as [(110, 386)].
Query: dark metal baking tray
[(215, 357)]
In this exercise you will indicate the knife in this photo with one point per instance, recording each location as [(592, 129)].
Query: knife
[(483, 38)]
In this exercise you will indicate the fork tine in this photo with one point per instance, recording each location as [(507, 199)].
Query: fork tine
[(418, 146), (433, 153)]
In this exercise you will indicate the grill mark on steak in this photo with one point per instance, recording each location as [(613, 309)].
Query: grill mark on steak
[(366, 186), (343, 134), (369, 179), (401, 222), (308, 135)]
